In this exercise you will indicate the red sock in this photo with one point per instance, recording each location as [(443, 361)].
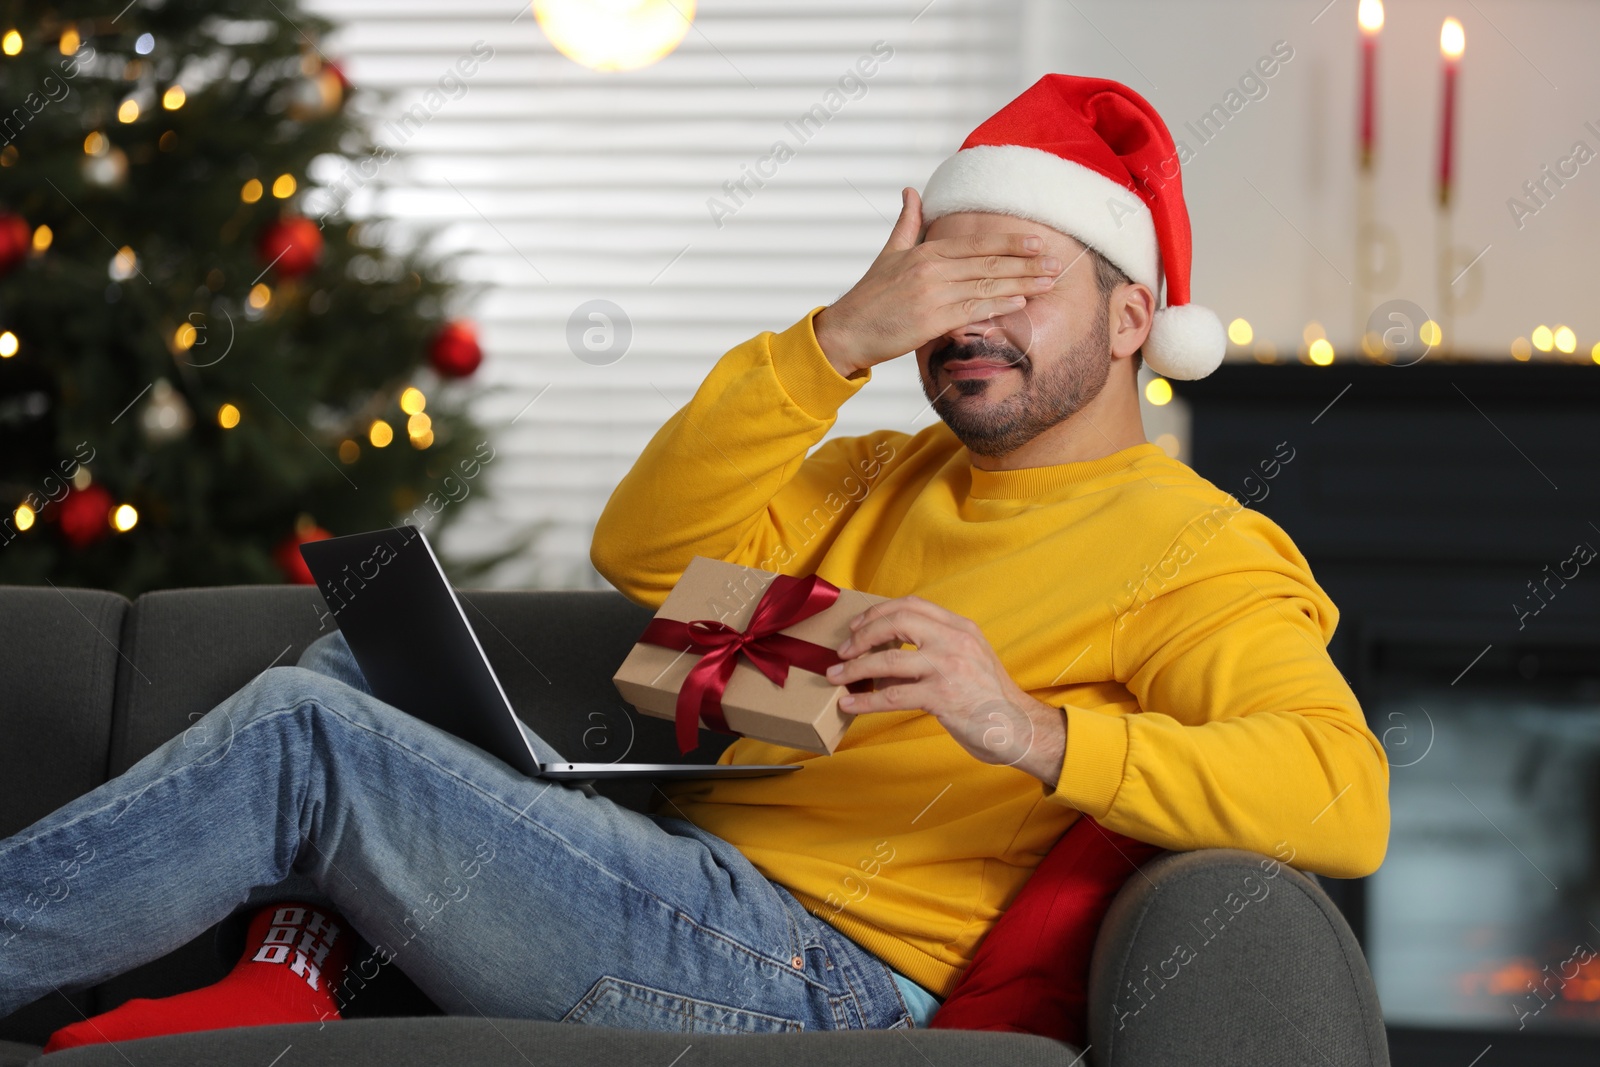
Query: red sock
[(294, 958)]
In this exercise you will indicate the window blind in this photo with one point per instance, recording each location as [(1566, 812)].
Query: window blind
[(661, 191)]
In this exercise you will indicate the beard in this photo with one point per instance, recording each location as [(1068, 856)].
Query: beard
[(1046, 398)]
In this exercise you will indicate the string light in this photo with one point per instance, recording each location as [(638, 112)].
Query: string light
[(8, 345), (1543, 339), (128, 111), (70, 40), (23, 517), (124, 264), (227, 416), (412, 400), (260, 296), (184, 337), (1566, 340), (1158, 391), (1521, 350), (284, 187), (174, 98), (1239, 332), (380, 433), (1430, 333), (349, 451), (124, 518), (95, 144), (11, 44), (1168, 443), (1594, 353), (42, 237), (1321, 352), (422, 440), (251, 191)]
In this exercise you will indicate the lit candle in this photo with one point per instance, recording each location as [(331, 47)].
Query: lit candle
[(1369, 15), (1452, 42)]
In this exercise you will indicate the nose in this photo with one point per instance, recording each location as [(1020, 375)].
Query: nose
[(972, 332)]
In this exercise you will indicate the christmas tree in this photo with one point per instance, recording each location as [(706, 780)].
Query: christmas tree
[(203, 360)]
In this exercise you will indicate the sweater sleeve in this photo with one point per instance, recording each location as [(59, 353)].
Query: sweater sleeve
[(1247, 735), (727, 476)]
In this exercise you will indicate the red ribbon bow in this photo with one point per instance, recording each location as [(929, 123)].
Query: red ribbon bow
[(787, 600)]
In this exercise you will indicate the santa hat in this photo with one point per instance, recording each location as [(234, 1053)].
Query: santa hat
[(1091, 158)]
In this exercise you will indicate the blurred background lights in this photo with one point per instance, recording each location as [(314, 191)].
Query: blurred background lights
[(1566, 340), (251, 192), (124, 518), (1543, 339), (380, 433), (8, 345), (174, 98), (260, 296), (123, 265), (284, 187), (614, 34), (1240, 333), (11, 44), (145, 44), (128, 110), (1158, 391), (69, 41), (227, 416), (23, 516), (1169, 444), (184, 337), (1321, 352), (1521, 350), (42, 238), (95, 144), (412, 400), (1429, 333)]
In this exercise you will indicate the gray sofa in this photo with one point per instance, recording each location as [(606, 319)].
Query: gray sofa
[(90, 682)]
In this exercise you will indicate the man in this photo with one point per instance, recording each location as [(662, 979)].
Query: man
[(1078, 624)]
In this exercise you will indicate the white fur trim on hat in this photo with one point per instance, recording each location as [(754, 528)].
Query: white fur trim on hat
[(1186, 342), (1031, 183)]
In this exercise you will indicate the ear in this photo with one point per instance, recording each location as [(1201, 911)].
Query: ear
[(1132, 311)]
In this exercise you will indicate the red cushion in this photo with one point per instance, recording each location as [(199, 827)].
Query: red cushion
[(1030, 974)]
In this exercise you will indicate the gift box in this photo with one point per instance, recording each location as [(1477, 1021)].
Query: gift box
[(742, 651)]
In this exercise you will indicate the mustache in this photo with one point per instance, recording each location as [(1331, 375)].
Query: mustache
[(987, 350)]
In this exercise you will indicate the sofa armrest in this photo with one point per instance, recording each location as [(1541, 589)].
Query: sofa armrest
[(1227, 957)]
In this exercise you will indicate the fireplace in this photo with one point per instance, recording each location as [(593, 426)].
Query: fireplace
[(1452, 512)]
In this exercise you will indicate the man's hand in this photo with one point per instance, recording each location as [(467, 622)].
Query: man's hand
[(914, 292), (954, 675)]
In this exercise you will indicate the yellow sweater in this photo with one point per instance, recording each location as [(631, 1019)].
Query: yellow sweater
[(1182, 634)]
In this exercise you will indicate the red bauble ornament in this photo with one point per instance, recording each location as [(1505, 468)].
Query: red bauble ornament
[(16, 236), (292, 246), (287, 554), (454, 350), (338, 72), (85, 515)]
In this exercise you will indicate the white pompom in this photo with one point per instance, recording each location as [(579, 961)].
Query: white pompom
[(1186, 342)]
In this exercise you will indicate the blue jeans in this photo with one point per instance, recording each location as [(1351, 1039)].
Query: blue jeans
[(497, 894)]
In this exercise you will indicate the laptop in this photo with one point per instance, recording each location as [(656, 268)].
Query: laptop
[(419, 653)]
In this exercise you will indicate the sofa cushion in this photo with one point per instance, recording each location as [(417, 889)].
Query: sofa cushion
[(58, 676), (521, 1043), (1030, 974)]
